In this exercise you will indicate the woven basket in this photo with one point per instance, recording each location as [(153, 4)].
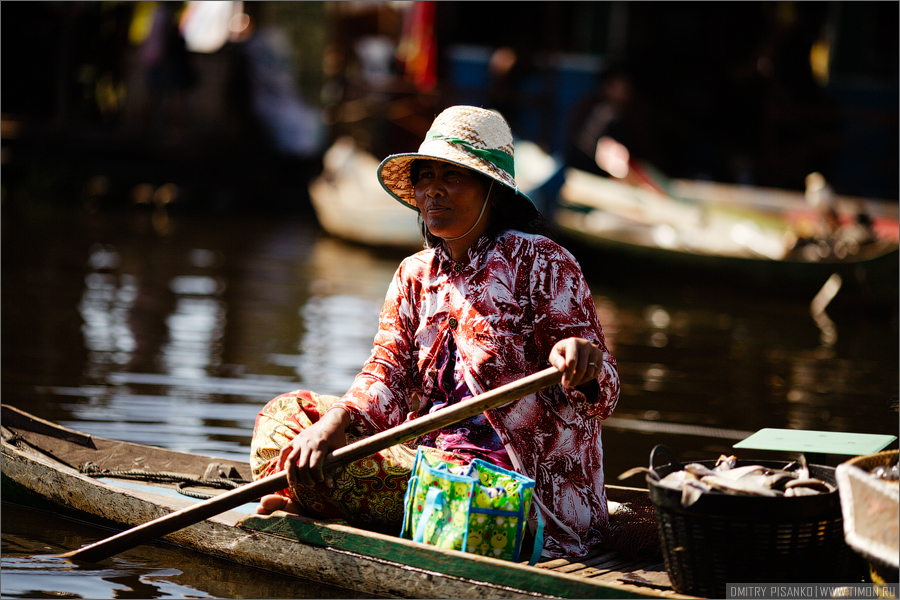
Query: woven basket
[(724, 538), (870, 508)]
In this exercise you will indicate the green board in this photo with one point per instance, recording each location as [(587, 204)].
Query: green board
[(818, 442)]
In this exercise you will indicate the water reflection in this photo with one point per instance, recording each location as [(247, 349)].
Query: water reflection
[(105, 308), (170, 333), (340, 318), (195, 328), (338, 331), (30, 537)]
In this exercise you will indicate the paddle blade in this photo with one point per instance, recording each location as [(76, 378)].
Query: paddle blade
[(180, 519)]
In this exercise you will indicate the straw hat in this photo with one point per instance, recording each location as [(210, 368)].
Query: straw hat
[(468, 136)]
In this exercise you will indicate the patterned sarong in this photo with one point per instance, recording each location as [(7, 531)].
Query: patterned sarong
[(367, 493)]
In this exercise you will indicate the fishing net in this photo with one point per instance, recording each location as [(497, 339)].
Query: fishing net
[(632, 528)]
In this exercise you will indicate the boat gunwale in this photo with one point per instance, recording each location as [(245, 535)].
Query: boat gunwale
[(567, 212)]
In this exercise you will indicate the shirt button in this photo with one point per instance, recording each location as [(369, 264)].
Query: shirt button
[(432, 374), (453, 322), (457, 268)]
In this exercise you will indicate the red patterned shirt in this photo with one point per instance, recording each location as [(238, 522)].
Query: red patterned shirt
[(505, 306)]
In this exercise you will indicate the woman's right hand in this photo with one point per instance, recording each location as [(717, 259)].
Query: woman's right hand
[(304, 457)]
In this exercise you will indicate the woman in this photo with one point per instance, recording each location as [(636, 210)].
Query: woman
[(488, 302)]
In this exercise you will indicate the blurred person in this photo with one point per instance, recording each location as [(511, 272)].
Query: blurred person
[(292, 126), (612, 128), (168, 72), (490, 300)]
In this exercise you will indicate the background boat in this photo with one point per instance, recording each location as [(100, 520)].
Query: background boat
[(769, 239), (351, 205)]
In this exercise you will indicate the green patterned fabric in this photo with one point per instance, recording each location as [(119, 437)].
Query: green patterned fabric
[(478, 508)]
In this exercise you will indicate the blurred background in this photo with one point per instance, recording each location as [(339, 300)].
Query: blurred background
[(229, 96), (165, 271)]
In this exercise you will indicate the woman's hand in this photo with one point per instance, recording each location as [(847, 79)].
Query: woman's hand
[(579, 360), (304, 457)]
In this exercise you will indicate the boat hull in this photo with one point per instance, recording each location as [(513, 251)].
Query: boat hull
[(41, 460), (737, 241)]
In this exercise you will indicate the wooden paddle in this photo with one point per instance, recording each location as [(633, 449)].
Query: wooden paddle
[(180, 519)]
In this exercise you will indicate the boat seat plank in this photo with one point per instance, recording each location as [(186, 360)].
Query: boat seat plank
[(584, 563), (74, 450), (17, 419), (615, 569)]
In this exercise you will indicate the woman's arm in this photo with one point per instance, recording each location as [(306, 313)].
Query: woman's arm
[(568, 331), (379, 397)]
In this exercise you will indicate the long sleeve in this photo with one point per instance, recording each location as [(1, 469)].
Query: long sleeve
[(381, 394), (564, 308)]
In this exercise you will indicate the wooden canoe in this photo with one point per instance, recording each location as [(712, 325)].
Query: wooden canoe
[(757, 235), (43, 462), (351, 205)]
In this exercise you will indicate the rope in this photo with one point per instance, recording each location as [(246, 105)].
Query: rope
[(182, 481), (481, 214)]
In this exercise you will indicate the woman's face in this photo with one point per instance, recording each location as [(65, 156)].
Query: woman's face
[(450, 199)]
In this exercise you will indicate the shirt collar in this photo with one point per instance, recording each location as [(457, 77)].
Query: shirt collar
[(473, 255)]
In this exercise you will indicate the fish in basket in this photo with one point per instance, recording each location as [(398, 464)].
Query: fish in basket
[(737, 521)]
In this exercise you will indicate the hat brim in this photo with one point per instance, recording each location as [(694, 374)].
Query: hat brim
[(394, 171)]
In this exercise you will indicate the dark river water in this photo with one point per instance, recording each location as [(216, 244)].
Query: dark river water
[(174, 330)]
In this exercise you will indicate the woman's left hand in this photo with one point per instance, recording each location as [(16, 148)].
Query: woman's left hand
[(579, 360)]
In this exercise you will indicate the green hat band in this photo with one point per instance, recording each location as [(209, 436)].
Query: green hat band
[(493, 156)]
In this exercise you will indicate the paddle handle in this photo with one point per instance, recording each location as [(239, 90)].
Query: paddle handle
[(179, 519), (444, 417)]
